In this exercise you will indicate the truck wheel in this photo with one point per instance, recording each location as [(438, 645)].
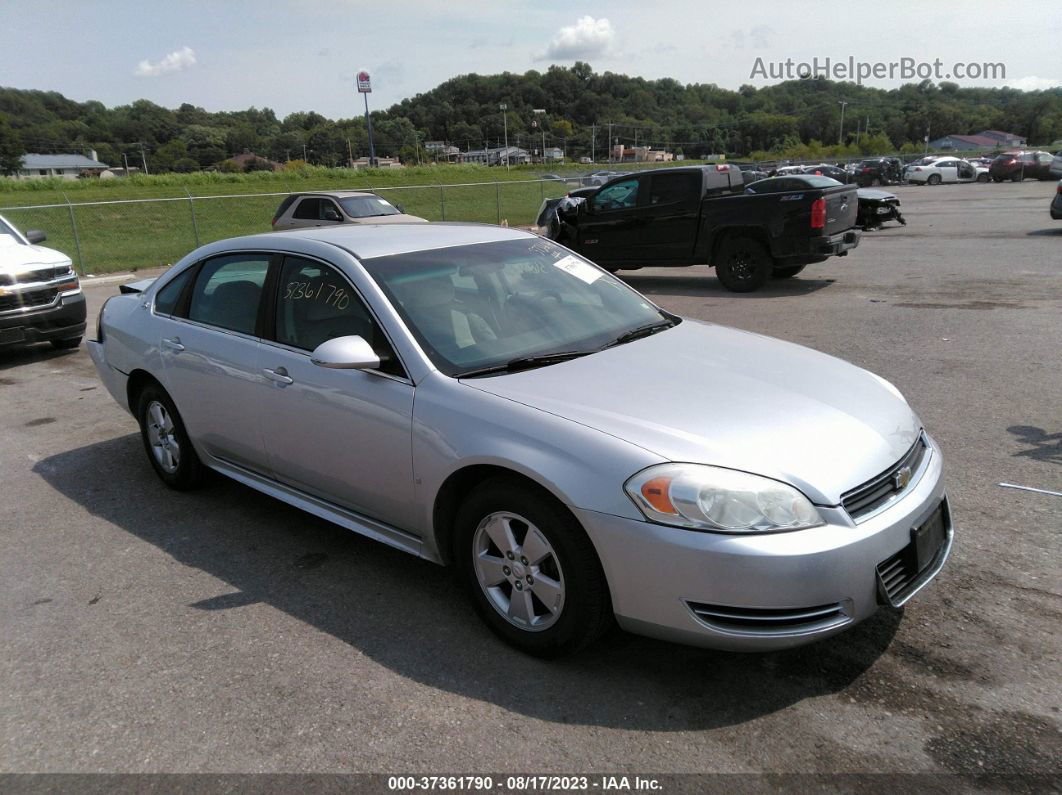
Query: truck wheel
[(743, 264), (788, 273)]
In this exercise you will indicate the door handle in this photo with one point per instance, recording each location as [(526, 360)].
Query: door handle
[(173, 345), (279, 376)]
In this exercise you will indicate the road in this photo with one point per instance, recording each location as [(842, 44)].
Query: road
[(145, 630)]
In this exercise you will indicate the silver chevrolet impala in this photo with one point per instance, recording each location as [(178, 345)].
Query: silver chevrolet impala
[(485, 398)]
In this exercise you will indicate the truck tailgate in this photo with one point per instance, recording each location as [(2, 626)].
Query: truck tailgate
[(842, 206)]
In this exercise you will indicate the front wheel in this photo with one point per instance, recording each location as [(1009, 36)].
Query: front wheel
[(530, 569), (743, 264), (982, 178), (165, 440), (1015, 177), (788, 273)]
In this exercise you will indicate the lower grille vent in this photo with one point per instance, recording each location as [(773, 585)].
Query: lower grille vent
[(769, 621)]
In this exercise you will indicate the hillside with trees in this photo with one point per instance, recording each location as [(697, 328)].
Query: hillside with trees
[(579, 109)]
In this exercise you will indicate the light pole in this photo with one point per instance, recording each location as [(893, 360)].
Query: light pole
[(541, 112), (840, 133), (505, 130)]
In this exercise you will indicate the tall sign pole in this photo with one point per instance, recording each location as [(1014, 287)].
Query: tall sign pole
[(365, 88), (505, 127)]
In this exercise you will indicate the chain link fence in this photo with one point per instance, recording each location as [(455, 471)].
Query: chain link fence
[(129, 234)]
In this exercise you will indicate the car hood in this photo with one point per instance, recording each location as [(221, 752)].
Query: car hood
[(870, 194), (709, 394), (16, 257)]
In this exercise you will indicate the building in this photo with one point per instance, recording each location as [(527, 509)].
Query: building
[(440, 150), (263, 163), (36, 166), (553, 153), (640, 154), (381, 162), (986, 139), (514, 155)]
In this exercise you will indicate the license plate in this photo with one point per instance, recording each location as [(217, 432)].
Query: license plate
[(928, 538), (12, 335)]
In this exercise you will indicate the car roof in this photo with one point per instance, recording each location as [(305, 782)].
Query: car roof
[(335, 194), (366, 241)]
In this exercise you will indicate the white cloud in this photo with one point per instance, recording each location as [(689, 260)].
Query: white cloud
[(587, 38), (176, 61), (1033, 83)]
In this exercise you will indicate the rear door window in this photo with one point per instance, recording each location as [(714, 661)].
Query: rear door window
[(673, 188), (227, 292), (308, 210)]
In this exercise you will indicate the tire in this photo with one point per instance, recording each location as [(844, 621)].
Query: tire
[(1015, 177), (982, 178), (568, 574), (166, 442), (67, 344), (788, 273), (934, 179), (743, 264)]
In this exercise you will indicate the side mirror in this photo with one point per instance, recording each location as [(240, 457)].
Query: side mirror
[(345, 353), (35, 236)]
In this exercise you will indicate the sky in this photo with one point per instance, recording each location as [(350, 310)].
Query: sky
[(293, 55)]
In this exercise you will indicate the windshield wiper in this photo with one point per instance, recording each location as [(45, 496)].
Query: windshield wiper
[(525, 363), (643, 331)]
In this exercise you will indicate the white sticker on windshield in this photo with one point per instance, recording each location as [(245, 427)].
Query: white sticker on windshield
[(579, 269)]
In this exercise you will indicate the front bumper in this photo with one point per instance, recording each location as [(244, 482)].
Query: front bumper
[(65, 320), (1056, 208), (762, 592)]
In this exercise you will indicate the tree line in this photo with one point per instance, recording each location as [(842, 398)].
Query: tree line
[(572, 107)]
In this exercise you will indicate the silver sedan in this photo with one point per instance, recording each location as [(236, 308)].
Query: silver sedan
[(482, 397)]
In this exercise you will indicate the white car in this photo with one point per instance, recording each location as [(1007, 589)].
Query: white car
[(946, 169)]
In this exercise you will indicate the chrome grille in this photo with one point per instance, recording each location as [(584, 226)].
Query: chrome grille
[(28, 299), (769, 620), (879, 490)]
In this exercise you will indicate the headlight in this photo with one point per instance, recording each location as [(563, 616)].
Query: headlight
[(723, 500), (68, 283)]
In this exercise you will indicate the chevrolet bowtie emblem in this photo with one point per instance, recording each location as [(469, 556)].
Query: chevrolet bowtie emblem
[(902, 478)]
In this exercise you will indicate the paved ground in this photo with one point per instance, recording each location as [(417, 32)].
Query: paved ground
[(144, 630)]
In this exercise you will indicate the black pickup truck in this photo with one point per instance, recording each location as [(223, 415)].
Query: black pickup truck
[(703, 214)]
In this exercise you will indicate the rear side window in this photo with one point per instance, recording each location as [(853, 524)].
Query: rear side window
[(283, 208), (308, 210), (670, 188), (227, 292), (167, 298)]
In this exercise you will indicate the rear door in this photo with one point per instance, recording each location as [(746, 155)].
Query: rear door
[(209, 347), (948, 170), (672, 215), (313, 211), (610, 231)]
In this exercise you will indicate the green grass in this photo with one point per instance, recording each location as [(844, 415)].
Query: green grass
[(120, 237)]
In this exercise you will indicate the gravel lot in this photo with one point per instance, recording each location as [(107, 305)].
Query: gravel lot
[(146, 631)]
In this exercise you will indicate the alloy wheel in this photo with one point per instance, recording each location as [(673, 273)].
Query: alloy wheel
[(519, 571), (162, 436)]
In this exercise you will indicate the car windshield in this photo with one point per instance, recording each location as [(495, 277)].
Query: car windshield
[(367, 206), (7, 234), (480, 306)]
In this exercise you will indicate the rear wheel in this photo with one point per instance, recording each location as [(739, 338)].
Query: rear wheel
[(982, 177), (165, 440), (530, 569), (743, 264), (934, 179), (1015, 177), (788, 273), (67, 344)]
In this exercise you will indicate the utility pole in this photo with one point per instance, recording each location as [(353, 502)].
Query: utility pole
[(840, 133), (928, 127), (610, 142), (505, 128), (304, 160), (125, 159), (593, 142), (350, 155), (143, 157)]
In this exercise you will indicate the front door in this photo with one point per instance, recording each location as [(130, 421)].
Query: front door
[(341, 435), (612, 231), (209, 352)]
